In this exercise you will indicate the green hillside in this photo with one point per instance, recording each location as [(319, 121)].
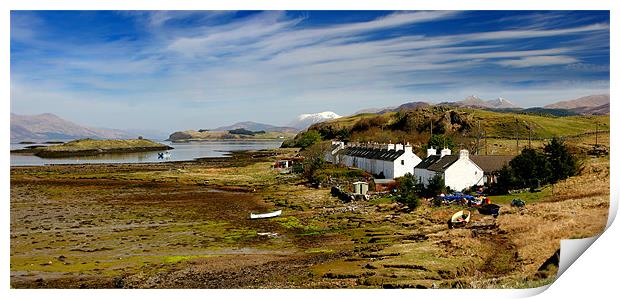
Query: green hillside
[(463, 125)]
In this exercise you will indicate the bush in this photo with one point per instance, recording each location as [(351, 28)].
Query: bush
[(564, 164), (436, 185), (308, 138), (531, 169), (243, 131), (506, 181), (441, 141), (534, 168), (407, 191)]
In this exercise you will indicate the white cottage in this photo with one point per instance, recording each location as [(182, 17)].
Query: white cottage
[(458, 171), (387, 160)]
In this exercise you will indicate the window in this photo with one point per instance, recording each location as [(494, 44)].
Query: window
[(402, 162)]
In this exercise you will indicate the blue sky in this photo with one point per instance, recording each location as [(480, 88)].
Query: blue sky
[(176, 70)]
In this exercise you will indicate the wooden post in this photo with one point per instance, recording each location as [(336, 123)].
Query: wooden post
[(478, 139), (596, 136), (529, 136), (431, 126), (486, 149)]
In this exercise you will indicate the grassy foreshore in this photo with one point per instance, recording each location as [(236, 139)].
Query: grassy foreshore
[(185, 224), (90, 147)]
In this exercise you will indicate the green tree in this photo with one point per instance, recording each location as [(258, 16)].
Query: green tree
[(407, 191), (441, 141), (505, 181), (314, 160), (531, 168), (561, 161), (436, 185), (308, 138)]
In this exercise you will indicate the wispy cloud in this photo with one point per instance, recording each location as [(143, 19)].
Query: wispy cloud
[(219, 67), (538, 61)]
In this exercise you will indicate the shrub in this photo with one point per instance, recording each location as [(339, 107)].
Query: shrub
[(563, 163), (407, 191), (441, 141), (436, 185), (531, 168), (308, 138)]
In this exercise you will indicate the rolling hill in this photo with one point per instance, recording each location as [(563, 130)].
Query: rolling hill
[(254, 126), (583, 102), (461, 124), (48, 126), (476, 102)]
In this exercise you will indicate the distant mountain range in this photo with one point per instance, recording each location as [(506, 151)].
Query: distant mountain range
[(476, 102), (254, 126), (590, 105), (48, 126), (303, 121), (410, 105)]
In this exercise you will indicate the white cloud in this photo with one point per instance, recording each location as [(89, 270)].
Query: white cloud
[(538, 61), (245, 68)]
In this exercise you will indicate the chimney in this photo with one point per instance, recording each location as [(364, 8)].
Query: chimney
[(399, 147), (408, 148), (445, 152), (431, 151), (463, 154), (390, 147)]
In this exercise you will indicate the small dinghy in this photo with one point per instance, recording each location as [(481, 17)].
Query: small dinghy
[(266, 215), (460, 218), (490, 209)]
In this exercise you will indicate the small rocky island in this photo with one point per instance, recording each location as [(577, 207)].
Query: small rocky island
[(230, 135), (92, 147)]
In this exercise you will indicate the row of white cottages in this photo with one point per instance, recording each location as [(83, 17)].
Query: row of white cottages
[(395, 160)]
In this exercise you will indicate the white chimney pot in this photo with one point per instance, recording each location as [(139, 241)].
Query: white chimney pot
[(464, 154), (430, 152), (446, 152)]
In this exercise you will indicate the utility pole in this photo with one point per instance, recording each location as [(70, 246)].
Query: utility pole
[(596, 136), (431, 127), (529, 136), (486, 149), (478, 139)]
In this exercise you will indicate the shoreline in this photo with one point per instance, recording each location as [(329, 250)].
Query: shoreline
[(227, 156), (223, 140), (39, 152)]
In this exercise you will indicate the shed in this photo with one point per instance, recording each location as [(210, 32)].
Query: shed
[(360, 188)]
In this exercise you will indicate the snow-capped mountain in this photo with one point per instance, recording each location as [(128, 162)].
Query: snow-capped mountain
[(501, 103), (476, 102), (303, 121)]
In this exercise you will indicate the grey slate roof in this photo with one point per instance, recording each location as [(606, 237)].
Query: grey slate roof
[(437, 163), (372, 153), (428, 161), (491, 163), (443, 163), (488, 164)]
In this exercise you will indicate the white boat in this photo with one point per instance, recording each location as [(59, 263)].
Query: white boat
[(266, 215)]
